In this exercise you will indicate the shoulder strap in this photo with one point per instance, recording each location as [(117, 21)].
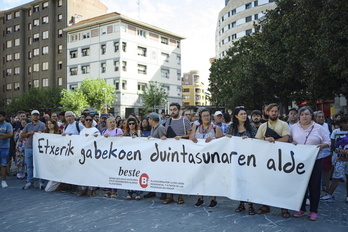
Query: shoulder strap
[(183, 121), (77, 126)]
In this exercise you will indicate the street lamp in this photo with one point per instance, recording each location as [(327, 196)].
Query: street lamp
[(106, 106)]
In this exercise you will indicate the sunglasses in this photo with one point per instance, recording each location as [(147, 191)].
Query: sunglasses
[(131, 123), (89, 120)]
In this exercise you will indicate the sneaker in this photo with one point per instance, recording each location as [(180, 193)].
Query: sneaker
[(137, 197), (4, 184), (327, 198), (28, 185), (299, 214), (113, 195), (212, 204), (199, 202), (313, 216), (41, 186), (129, 197), (308, 202)]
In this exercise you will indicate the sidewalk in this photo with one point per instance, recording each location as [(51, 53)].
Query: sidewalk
[(37, 210)]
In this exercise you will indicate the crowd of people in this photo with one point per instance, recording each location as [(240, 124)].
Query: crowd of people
[(300, 126)]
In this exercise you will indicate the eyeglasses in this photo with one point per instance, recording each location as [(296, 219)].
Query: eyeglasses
[(89, 120), (239, 107), (131, 123)]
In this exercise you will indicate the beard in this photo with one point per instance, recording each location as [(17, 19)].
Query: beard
[(273, 118), (256, 121)]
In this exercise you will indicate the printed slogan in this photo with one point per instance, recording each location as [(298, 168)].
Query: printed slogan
[(251, 170)]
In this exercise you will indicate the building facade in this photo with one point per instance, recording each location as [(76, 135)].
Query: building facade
[(127, 53), (34, 43), (236, 20), (193, 91)]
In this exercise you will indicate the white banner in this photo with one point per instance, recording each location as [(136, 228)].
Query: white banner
[(251, 170)]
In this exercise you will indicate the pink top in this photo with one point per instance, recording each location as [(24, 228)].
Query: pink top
[(313, 135), (113, 132)]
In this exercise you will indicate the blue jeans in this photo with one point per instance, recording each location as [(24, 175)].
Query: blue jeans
[(4, 152), (30, 164)]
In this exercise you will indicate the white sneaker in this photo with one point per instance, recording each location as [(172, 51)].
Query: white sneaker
[(308, 202), (4, 184), (27, 185)]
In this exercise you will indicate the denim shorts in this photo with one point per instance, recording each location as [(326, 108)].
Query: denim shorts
[(4, 152)]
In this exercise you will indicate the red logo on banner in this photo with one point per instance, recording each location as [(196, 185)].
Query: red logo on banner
[(143, 180)]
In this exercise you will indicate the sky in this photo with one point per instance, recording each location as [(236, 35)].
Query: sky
[(194, 19)]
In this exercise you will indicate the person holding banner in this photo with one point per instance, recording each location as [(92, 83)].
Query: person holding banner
[(207, 131), (273, 130), (242, 127), (306, 131)]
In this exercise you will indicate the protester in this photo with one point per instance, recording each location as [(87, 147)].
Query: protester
[(102, 123), (6, 132), (145, 128), (207, 131), (292, 117), (256, 118), (120, 124), (34, 126), (218, 122), (20, 144), (306, 131)]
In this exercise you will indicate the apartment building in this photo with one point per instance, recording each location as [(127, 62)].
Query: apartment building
[(34, 43), (128, 54), (236, 20), (193, 91)]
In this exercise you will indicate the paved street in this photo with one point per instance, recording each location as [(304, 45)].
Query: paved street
[(36, 210)]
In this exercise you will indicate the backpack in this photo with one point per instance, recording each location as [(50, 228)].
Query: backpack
[(76, 124)]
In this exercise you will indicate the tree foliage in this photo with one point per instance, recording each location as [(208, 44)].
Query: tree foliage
[(42, 99), (74, 101), (299, 53), (154, 96)]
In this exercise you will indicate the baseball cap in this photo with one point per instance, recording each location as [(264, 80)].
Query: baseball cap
[(104, 115), (153, 115), (35, 112), (293, 108), (218, 113)]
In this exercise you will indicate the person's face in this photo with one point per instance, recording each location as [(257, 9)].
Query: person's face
[(273, 113), (131, 125), (121, 124), (35, 117), (241, 116), (320, 118), (218, 118), (23, 123), (344, 126), (174, 111), (118, 118), (21, 117), (338, 118), (293, 115), (193, 118), (96, 118), (150, 121), (82, 118), (305, 117), (256, 118), (50, 125), (187, 115), (111, 123), (144, 123), (206, 117), (88, 121), (69, 118), (103, 119), (54, 116)]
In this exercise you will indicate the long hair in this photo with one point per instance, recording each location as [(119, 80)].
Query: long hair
[(148, 128), (126, 126), (200, 115), (235, 121), (55, 124)]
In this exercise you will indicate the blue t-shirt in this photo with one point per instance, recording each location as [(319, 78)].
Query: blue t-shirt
[(39, 126), (4, 128)]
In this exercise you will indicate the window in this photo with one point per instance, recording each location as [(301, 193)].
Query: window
[(17, 56), (36, 67), (9, 86), (29, 40), (30, 12), (178, 76), (44, 19), (17, 42), (8, 71), (234, 36), (45, 82), (45, 35), (8, 17), (8, 57), (60, 65), (117, 85), (74, 37), (124, 65), (124, 85), (256, 16), (124, 46), (165, 57), (16, 86), (248, 19), (36, 52), (164, 40), (17, 14), (36, 22), (178, 89), (36, 84), (60, 3), (142, 69), (60, 17), (103, 49), (36, 8), (141, 86), (116, 46), (29, 55), (8, 30), (45, 50), (29, 69), (248, 32), (8, 43), (256, 3), (60, 33), (60, 81), (178, 59), (103, 31), (178, 44), (233, 12), (165, 73), (73, 54), (44, 5), (73, 71), (29, 26), (141, 33), (16, 71), (141, 51), (36, 37), (116, 65), (86, 35), (17, 27), (85, 52), (103, 67), (85, 69), (60, 48), (248, 5)]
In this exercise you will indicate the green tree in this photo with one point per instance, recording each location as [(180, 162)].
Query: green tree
[(74, 101), (154, 96), (98, 93)]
